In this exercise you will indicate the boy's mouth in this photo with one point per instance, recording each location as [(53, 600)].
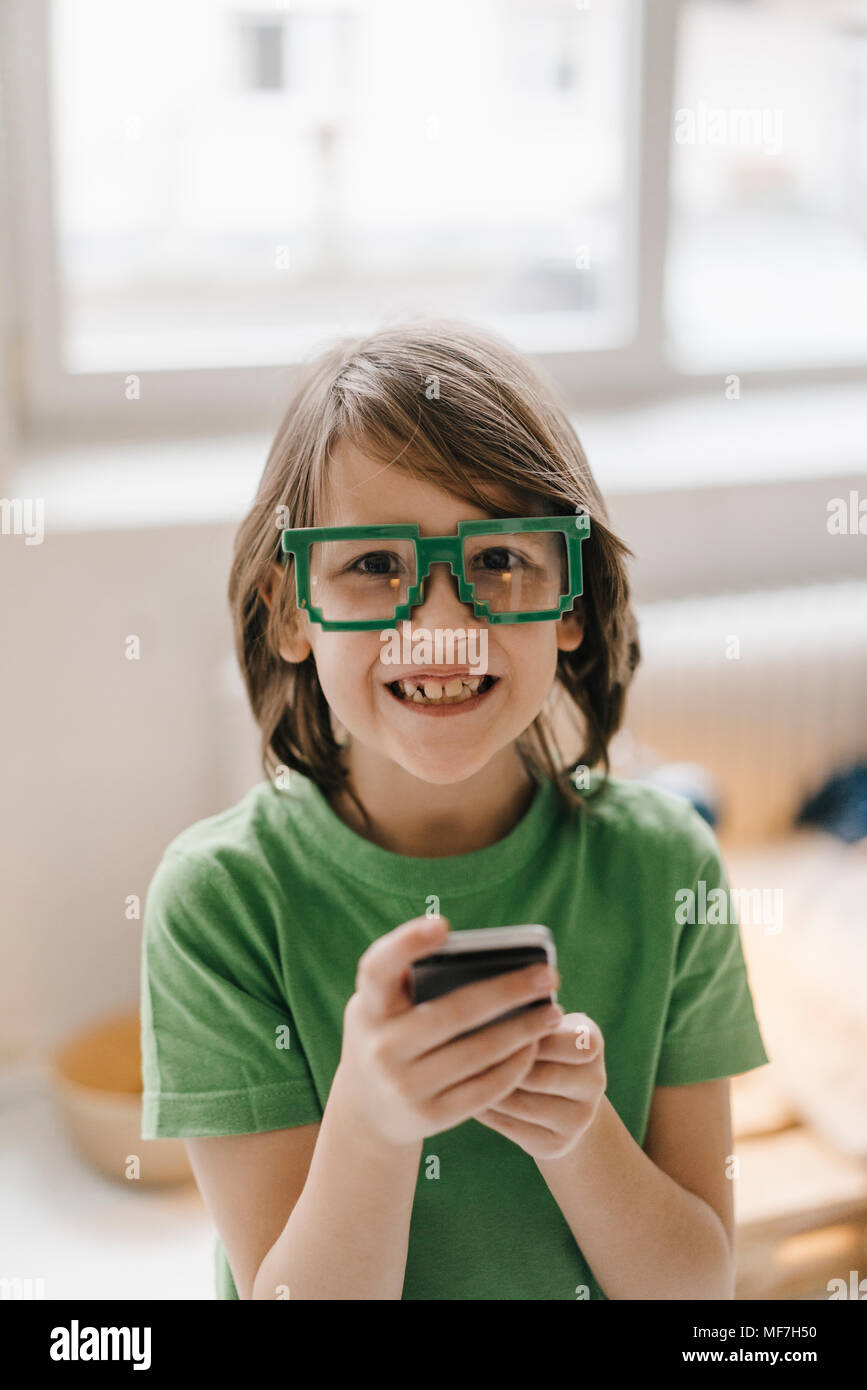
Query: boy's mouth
[(456, 690)]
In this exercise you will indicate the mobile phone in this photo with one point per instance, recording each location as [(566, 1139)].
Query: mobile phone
[(480, 954)]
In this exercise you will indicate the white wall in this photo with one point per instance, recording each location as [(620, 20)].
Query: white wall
[(104, 759)]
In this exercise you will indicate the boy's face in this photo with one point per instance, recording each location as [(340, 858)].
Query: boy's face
[(435, 744)]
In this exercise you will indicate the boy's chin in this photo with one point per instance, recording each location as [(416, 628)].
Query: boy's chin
[(442, 772)]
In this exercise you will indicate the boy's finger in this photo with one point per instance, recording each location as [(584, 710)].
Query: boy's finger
[(578, 1039), (382, 970)]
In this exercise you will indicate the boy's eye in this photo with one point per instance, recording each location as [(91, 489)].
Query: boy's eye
[(498, 558), (375, 563)]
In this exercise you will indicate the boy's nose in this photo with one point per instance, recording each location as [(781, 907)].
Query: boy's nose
[(442, 606)]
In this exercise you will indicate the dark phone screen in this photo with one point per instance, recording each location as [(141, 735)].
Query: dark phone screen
[(440, 973)]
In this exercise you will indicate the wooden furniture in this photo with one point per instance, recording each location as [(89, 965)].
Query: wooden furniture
[(800, 1204)]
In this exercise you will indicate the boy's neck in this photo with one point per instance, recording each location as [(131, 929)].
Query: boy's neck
[(427, 821)]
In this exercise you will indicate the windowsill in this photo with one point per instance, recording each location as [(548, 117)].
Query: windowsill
[(699, 441), (778, 435), (283, 344)]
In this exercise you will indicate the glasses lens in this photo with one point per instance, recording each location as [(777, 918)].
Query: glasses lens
[(360, 580), (524, 572)]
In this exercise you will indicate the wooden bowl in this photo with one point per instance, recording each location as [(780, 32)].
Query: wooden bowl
[(96, 1077)]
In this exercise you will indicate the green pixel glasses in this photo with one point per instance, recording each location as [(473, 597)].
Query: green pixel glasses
[(362, 578)]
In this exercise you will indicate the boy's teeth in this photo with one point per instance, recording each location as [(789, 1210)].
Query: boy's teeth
[(454, 691)]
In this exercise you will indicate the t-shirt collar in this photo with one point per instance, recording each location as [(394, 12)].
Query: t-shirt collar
[(353, 854)]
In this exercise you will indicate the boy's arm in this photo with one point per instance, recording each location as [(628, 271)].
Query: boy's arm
[(348, 1234), (657, 1224), (319, 1211)]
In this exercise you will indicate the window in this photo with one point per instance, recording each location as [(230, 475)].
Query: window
[(646, 194), (233, 185), (767, 257)]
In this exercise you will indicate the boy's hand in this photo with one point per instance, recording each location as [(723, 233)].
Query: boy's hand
[(556, 1102), (410, 1070)]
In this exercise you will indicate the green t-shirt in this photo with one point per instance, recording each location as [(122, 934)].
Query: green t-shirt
[(254, 923)]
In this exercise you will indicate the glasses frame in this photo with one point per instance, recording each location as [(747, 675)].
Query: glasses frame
[(430, 549)]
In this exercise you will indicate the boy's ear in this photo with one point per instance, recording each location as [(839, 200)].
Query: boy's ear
[(570, 628), (294, 646), (270, 583)]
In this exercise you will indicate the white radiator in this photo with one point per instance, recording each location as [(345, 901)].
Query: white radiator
[(768, 690)]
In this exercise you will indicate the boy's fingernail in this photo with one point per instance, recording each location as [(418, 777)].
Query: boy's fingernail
[(433, 925)]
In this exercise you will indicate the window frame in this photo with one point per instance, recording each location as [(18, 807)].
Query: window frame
[(47, 401)]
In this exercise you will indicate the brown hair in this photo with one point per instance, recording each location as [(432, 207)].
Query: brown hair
[(469, 413)]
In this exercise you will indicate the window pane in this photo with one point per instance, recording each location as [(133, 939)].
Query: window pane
[(767, 261), (234, 182)]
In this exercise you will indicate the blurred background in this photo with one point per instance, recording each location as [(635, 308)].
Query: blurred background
[(666, 205)]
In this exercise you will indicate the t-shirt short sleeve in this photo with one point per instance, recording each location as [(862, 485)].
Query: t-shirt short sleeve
[(220, 1052), (711, 1029)]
